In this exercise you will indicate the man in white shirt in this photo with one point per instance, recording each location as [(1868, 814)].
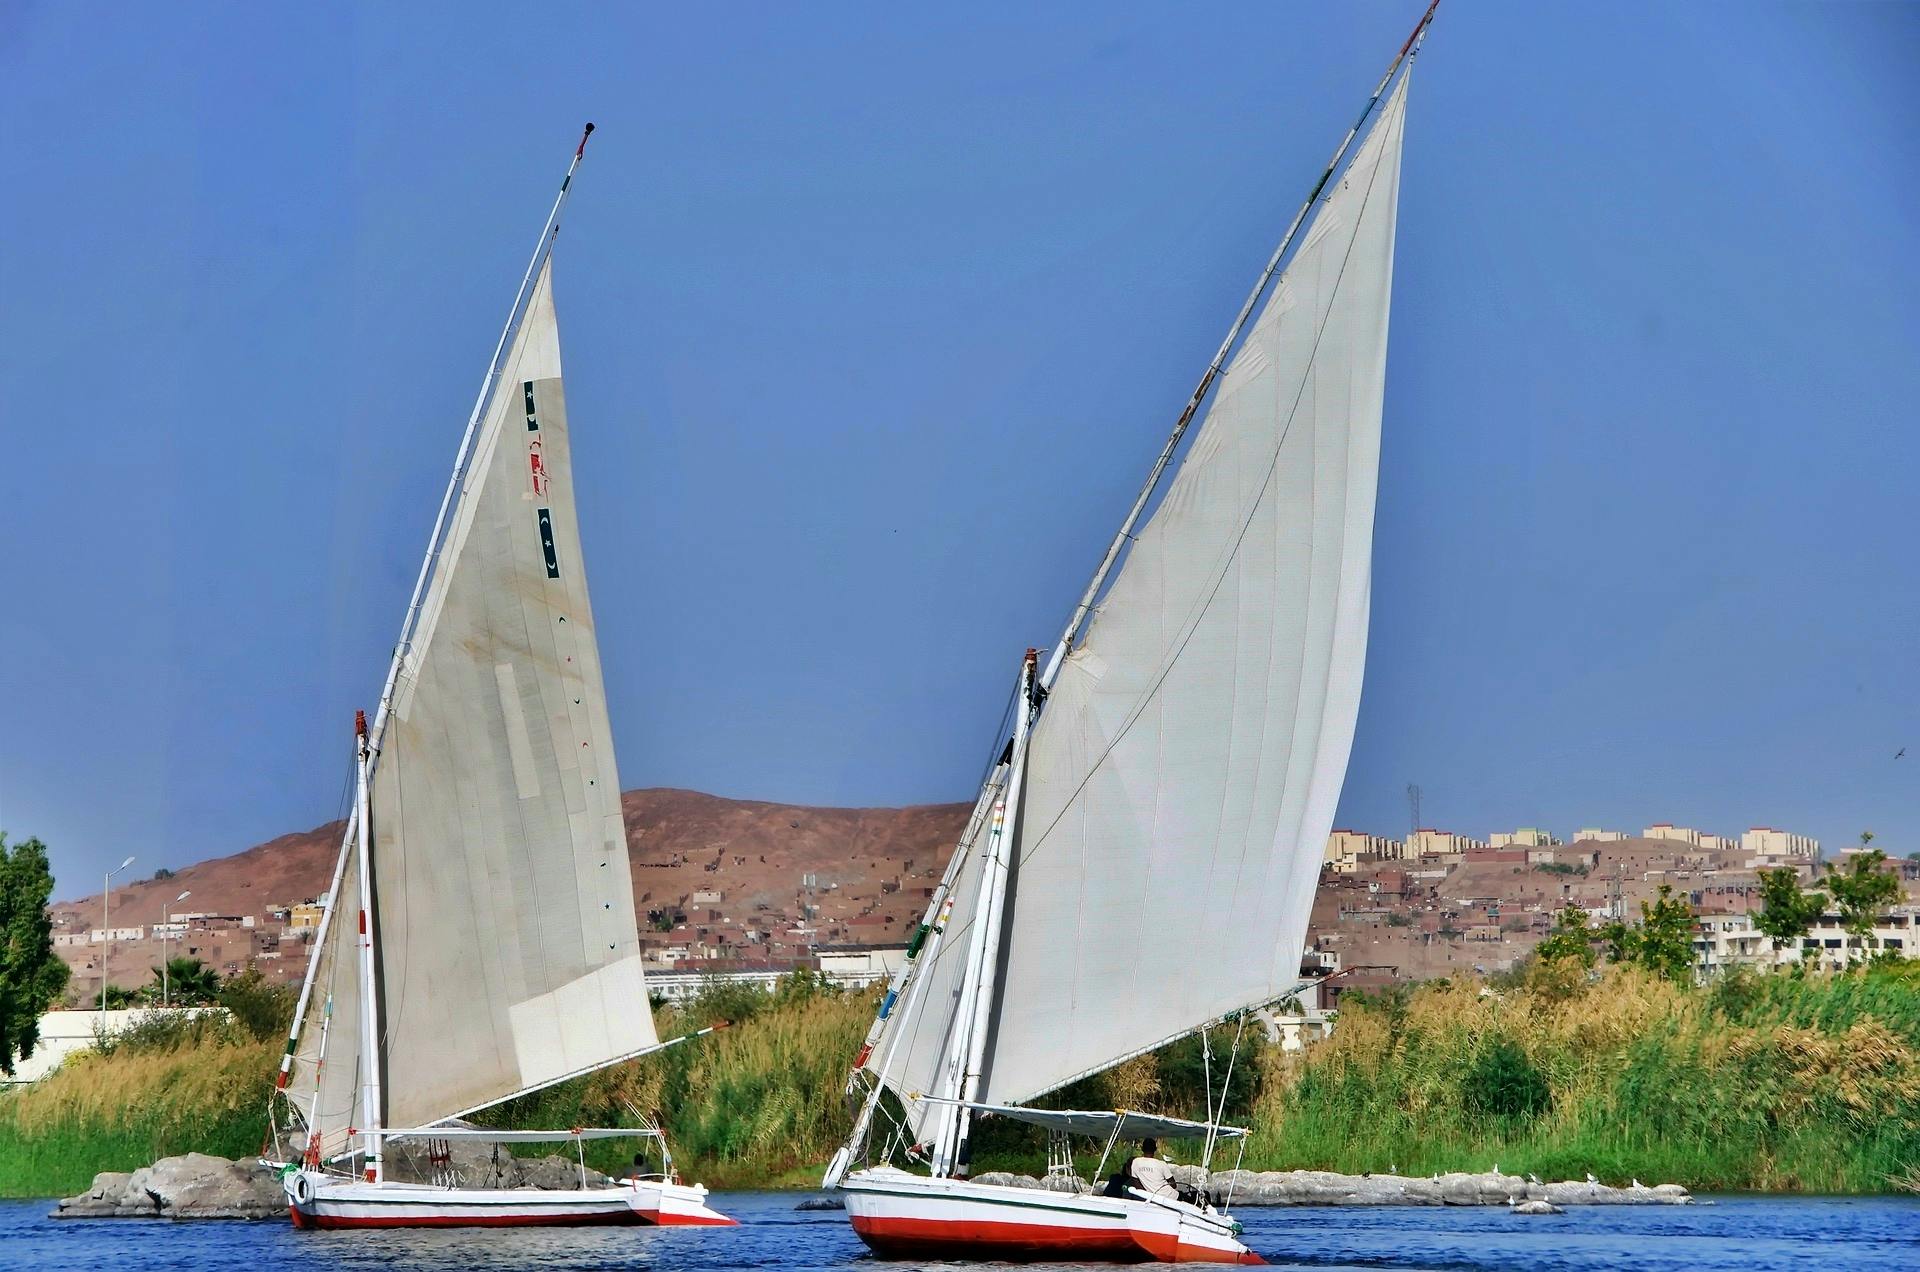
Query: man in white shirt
[(1150, 1174)]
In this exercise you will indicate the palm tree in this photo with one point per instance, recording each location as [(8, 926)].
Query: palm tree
[(190, 983)]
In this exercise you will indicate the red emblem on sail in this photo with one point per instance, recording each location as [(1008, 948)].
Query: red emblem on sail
[(535, 468)]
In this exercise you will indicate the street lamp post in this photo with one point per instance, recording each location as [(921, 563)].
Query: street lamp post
[(166, 927), (106, 930)]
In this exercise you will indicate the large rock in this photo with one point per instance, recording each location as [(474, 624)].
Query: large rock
[(466, 1162), (193, 1186), (200, 1186), (1325, 1188)]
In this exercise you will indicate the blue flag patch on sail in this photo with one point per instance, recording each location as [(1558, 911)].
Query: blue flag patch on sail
[(546, 544)]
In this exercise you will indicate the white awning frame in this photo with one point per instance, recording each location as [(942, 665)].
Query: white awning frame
[(526, 1137), (1100, 1123)]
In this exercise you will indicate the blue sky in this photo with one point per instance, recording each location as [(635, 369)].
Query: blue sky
[(873, 320)]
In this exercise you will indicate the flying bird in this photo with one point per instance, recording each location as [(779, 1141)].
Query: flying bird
[(1902, 751)]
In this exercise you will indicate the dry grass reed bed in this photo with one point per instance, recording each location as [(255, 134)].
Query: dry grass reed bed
[(752, 1103), (123, 1110), (1775, 1082)]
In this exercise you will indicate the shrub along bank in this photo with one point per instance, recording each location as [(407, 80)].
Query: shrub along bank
[(1774, 1082)]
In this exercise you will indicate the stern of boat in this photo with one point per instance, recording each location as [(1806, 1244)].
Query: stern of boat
[(671, 1205)]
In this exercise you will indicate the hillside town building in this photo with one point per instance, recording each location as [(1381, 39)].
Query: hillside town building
[(1765, 841), (750, 893), (1525, 837)]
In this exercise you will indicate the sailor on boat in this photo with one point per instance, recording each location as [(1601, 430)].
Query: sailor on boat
[(1146, 1172)]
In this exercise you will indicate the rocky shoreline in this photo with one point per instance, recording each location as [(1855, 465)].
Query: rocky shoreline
[(201, 1186), (1326, 1188)]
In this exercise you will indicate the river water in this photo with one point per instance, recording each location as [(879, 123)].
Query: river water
[(1752, 1234)]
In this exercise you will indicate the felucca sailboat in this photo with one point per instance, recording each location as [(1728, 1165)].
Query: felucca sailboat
[(1141, 860), (479, 940)]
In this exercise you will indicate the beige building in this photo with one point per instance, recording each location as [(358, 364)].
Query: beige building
[(305, 917), (1765, 841), (1428, 842), (1345, 848), (1525, 837), (1598, 835), (1668, 831)]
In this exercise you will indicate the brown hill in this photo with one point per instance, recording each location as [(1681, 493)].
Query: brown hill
[(869, 869)]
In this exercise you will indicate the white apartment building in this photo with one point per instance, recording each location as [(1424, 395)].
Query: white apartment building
[(1731, 940), (1525, 837), (100, 936), (1345, 848), (1765, 841), (62, 1033), (1719, 843), (1667, 830), (1598, 835)]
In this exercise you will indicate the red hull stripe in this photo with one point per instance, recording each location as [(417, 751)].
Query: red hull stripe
[(988, 1239), (666, 1220)]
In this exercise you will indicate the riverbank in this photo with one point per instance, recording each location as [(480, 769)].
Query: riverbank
[(1755, 1084)]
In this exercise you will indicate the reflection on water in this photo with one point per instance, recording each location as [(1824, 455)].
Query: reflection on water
[(1752, 1234)]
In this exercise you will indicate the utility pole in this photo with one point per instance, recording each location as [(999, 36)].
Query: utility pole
[(106, 930), (166, 924)]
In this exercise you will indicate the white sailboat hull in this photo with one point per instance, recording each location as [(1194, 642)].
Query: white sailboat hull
[(319, 1200), (902, 1215)]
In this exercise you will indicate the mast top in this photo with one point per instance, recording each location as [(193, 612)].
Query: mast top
[(581, 153)]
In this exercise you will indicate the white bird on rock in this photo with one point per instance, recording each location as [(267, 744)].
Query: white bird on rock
[(1533, 1178), (1591, 1180), (1638, 1184)]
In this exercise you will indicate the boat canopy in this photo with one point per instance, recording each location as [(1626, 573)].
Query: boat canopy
[(1101, 1123), (526, 1137)]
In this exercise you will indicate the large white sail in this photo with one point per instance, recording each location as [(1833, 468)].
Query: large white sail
[(1182, 779), (508, 954)]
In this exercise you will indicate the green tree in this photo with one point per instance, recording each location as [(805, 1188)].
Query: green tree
[(189, 983), (1787, 911), (1862, 889), (31, 977), (263, 1007), (1662, 942), (1571, 939)]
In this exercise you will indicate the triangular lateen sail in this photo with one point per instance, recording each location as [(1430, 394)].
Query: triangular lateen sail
[(503, 904), (1183, 777)]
